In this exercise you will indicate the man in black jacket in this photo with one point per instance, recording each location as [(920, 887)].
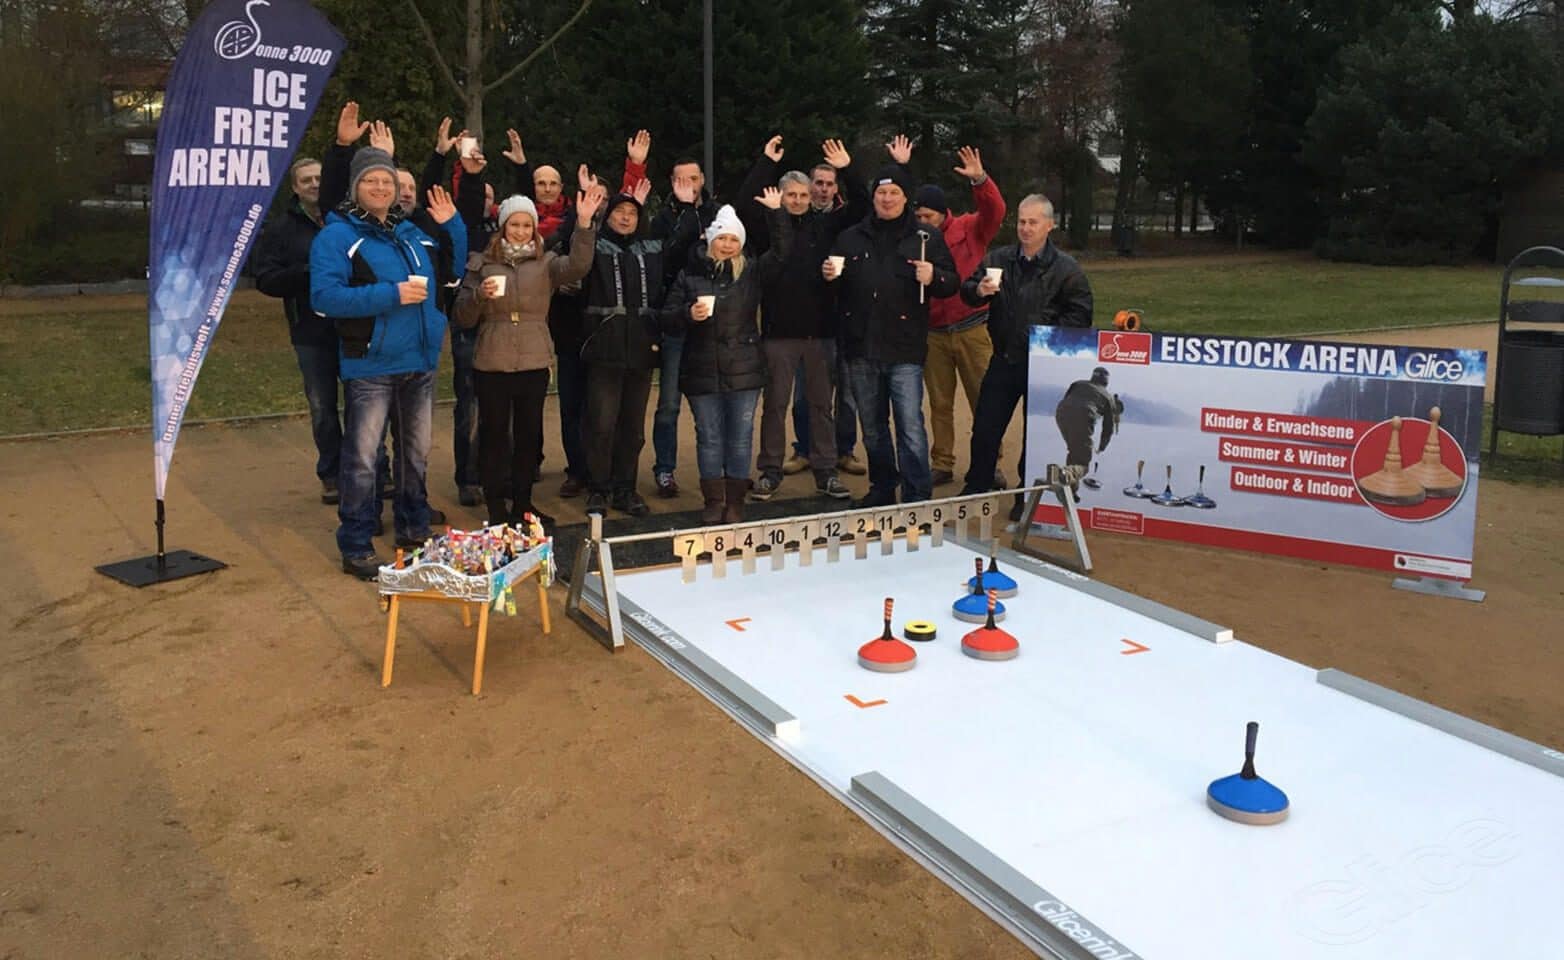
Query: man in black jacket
[(798, 317), (1039, 285), (891, 268), (282, 269), (686, 213)]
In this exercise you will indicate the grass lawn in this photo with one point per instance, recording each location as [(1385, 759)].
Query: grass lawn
[(1290, 296), (82, 362)]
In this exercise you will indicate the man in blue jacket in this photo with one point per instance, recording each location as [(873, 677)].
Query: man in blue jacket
[(371, 272)]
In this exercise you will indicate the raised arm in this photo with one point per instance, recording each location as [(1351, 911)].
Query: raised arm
[(985, 195)]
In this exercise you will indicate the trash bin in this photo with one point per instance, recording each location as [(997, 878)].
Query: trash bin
[(1528, 389), (1531, 393)]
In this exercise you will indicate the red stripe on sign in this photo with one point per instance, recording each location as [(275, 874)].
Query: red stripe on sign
[(1285, 426), (1302, 548), (1290, 456)]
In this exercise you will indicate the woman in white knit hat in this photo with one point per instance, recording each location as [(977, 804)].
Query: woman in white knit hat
[(714, 304), (506, 294)]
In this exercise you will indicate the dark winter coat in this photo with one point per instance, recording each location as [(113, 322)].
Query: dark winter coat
[(624, 291), (877, 293), (282, 269), (1049, 289), (799, 303), (723, 353)]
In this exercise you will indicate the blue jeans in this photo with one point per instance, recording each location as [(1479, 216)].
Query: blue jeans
[(319, 365), (846, 412), (465, 443), (665, 421), (406, 401), (724, 433), (882, 390)]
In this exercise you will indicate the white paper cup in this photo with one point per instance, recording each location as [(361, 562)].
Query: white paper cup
[(422, 281), (838, 262), (994, 273), (499, 285), (709, 302)]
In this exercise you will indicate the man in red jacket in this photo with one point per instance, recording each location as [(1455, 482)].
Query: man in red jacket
[(958, 334)]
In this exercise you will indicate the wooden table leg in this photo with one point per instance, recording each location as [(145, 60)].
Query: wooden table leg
[(483, 638), (543, 603), (466, 615), (385, 668)]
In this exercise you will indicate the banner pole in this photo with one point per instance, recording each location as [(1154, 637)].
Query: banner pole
[(162, 560)]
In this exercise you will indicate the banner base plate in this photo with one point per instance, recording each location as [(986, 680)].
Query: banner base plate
[(145, 571), (1438, 587)]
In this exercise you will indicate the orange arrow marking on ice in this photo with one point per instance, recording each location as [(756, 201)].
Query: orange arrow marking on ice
[(1134, 647), (861, 704), (735, 623)]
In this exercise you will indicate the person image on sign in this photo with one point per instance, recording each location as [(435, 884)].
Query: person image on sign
[(506, 295), (1037, 284), (1084, 404), (371, 271)]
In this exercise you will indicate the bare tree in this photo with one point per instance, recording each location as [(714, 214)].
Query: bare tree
[(472, 88)]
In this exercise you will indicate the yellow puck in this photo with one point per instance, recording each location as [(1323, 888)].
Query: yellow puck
[(920, 630)]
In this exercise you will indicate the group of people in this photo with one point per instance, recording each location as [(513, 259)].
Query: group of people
[(819, 291)]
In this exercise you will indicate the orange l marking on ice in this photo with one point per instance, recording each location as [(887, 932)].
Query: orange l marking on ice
[(735, 623), (861, 704), (1134, 647)]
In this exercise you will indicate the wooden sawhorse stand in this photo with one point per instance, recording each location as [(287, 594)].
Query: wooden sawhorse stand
[(466, 603)]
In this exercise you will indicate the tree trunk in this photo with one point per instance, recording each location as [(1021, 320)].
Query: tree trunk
[(1123, 229), (1178, 211), (1083, 173), (473, 82)]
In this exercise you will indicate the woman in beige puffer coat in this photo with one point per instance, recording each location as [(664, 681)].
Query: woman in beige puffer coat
[(505, 294)]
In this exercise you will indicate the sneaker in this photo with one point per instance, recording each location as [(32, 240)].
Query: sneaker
[(942, 477), (411, 543), (597, 503), (1016, 509), (851, 464), (797, 463), (469, 495), (328, 492), (667, 487), (833, 488), (764, 488), (365, 566), (630, 502), (436, 517), (572, 487), (1001, 482)]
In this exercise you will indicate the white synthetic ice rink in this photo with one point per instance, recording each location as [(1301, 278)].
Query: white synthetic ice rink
[(1083, 765)]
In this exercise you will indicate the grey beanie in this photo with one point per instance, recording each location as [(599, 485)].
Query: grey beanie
[(365, 160), (516, 203)]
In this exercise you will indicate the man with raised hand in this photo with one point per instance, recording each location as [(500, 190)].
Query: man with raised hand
[(959, 345), (890, 268)]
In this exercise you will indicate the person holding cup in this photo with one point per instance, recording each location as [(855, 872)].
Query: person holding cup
[(371, 271), (714, 306), (506, 295), (1025, 284)]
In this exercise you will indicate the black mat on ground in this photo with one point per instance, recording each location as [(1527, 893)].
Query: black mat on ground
[(645, 553)]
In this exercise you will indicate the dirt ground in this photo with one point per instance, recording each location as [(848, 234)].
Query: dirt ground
[(211, 769)]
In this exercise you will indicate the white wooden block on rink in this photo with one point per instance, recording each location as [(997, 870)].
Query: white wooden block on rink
[(1082, 765)]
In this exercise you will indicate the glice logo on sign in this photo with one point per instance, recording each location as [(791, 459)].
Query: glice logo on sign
[(1115, 347)]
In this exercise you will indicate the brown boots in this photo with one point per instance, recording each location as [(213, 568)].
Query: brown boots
[(716, 497), (724, 499), (738, 489)]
